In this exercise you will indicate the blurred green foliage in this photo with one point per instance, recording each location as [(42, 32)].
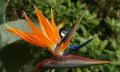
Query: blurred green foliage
[(101, 18)]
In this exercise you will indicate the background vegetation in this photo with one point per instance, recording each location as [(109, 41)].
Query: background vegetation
[(101, 18)]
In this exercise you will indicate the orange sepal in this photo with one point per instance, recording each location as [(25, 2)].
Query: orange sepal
[(37, 32), (55, 27), (46, 24), (28, 37)]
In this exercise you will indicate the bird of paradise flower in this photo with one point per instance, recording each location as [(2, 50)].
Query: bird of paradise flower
[(48, 37)]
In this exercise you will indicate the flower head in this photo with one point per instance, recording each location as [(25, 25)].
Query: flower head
[(47, 36)]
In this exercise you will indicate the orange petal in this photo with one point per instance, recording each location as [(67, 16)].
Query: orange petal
[(55, 27), (32, 26), (32, 39), (27, 37), (46, 24), (43, 30), (41, 43), (36, 31)]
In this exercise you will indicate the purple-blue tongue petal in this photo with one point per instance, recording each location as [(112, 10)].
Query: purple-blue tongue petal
[(76, 47)]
